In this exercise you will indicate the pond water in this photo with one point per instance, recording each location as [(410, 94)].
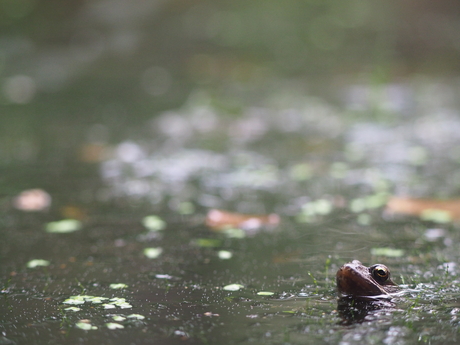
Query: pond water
[(206, 208)]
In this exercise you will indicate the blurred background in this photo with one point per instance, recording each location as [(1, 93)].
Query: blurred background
[(130, 117), (78, 76)]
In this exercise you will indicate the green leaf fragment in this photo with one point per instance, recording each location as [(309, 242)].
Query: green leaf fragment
[(154, 223), (125, 305), (72, 309), (389, 252), (74, 301), (186, 208), (153, 253), (37, 262), (265, 293), (437, 216), (118, 286), (118, 318), (233, 287), (108, 306), (136, 316), (63, 226), (208, 242), (113, 325), (234, 233), (225, 254), (86, 326)]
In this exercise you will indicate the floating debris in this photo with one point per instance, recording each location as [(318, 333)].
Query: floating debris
[(114, 325), (389, 252), (153, 223), (439, 211), (265, 293), (118, 286), (220, 220), (85, 325), (63, 226), (224, 254), (32, 200), (37, 263), (153, 253), (233, 287)]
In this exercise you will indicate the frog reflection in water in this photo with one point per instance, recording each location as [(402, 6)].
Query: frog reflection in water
[(363, 290)]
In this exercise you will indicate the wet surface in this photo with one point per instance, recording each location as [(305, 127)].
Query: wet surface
[(202, 195)]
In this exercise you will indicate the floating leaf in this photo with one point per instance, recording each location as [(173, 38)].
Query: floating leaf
[(301, 172), (118, 286), (208, 242), (136, 316), (163, 276), (314, 208), (389, 252), (234, 233), (186, 208), (125, 305), (113, 325), (220, 220), (37, 262), (154, 223), (265, 293), (440, 211), (233, 287), (108, 306), (86, 326), (437, 216), (72, 309), (63, 226), (74, 301), (118, 318), (224, 254), (153, 253)]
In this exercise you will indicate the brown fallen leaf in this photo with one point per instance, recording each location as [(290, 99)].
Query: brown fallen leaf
[(219, 220), (420, 207)]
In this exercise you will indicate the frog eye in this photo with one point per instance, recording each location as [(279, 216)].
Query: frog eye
[(380, 273)]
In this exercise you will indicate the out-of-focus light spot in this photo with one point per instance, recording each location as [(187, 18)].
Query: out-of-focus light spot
[(173, 125), (156, 81), (17, 8), (32, 200), (129, 152), (19, 89)]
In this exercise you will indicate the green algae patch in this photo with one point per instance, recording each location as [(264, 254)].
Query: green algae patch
[(389, 252), (63, 226), (207, 242), (154, 223), (153, 253)]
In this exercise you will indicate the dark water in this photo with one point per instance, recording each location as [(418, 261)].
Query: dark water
[(171, 110)]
